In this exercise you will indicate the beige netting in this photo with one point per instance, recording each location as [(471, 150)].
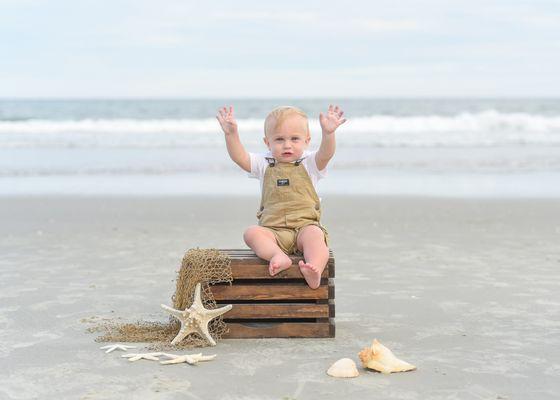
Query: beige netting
[(207, 266)]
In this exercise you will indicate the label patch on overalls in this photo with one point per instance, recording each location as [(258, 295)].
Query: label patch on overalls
[(282, 182)]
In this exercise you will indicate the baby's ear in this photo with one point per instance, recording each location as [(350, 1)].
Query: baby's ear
[(265, 139)]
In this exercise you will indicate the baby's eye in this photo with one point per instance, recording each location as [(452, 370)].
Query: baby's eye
[(280, 140), (295, 139)]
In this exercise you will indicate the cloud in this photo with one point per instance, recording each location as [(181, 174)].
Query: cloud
[(385, 25), (268, 16), (190, 48)]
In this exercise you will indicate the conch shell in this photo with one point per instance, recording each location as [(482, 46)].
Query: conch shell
[(380, 358), (343, 368)]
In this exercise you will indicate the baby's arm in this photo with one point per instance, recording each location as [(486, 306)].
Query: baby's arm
[(329, 122), (235, 148)]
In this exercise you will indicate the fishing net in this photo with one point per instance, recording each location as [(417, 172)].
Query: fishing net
[(207, 266)]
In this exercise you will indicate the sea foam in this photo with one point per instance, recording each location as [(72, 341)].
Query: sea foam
[(488, 128)]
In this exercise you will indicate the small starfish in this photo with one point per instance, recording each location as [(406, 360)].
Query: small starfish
[(195, 318), (117, 346), (140, 356), (191, 359)]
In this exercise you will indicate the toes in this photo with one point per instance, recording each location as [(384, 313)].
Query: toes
[(312, 267)]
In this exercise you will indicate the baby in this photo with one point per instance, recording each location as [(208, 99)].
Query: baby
[(290, 211)]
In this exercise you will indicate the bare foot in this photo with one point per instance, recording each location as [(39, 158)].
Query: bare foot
[(311, 273), (279, 263)]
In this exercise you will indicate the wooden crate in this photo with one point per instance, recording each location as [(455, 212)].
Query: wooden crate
[(280, 306)]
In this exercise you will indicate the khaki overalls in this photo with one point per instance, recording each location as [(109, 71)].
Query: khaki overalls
[(289, 202)]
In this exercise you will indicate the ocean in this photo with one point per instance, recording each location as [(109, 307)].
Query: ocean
[(425, 147)]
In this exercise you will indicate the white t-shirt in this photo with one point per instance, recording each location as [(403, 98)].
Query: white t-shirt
[(259, 164)]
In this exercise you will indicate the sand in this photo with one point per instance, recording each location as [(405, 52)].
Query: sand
[(467, 290)]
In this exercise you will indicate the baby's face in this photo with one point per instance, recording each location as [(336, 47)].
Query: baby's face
[(289, 140)]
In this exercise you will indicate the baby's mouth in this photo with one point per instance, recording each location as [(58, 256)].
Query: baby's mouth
[(287, 153)]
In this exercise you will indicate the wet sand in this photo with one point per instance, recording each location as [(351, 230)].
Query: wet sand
[(467, 290)]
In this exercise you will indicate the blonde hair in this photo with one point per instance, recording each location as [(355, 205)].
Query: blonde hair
[(275, 118)]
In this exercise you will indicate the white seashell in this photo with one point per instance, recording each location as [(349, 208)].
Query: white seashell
[(343, 368), (380, 358)]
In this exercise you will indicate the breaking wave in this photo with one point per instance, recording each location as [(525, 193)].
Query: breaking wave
[(488, 128)]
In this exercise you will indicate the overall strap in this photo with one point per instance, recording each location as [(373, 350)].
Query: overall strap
[(271, 163)]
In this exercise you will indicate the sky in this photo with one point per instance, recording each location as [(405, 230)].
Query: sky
[(222, 49)]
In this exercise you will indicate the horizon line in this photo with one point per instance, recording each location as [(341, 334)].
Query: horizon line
[(182, 98)]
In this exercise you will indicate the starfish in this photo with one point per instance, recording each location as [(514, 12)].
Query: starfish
[(191, 359), (117, 346), (140, 356), (195, 318)]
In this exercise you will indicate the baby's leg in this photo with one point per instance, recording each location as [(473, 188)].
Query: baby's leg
[(263, 243), (311, 240)]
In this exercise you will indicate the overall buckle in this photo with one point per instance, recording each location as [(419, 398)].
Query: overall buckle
[(298, 162)]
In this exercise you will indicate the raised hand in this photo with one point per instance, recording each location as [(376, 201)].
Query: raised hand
[(332, 120), (227, 120)]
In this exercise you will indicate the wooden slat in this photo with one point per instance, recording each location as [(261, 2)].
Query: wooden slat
[(269, 292), (243, 258), (252, 257), (271, 311), (246, 250), (247, 271), (279, 330), (250, 253)]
